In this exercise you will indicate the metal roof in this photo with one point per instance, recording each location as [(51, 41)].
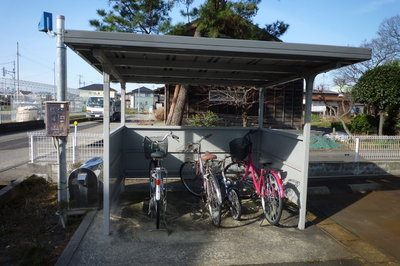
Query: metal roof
[(206, 61)]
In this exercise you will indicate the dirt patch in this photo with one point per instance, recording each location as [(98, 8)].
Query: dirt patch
[(30, 233)]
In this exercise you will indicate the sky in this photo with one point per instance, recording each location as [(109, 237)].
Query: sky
[(330, 22)]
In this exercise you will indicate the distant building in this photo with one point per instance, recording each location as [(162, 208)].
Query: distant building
[(94, 90), (141, 99), (323, 101)]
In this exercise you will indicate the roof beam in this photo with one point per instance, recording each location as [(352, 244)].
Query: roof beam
[(195, 81), (103, 59), (229, 75), (151, 63)]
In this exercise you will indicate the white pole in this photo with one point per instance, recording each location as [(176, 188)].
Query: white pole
[(123, 98), (74, 144), (357, 148), (106, 152), (306, 145), (31, 148)]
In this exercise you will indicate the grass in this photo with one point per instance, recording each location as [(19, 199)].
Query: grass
[(30, 233)]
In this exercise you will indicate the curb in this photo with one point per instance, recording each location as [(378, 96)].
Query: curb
[(76, 239), (5, 190)]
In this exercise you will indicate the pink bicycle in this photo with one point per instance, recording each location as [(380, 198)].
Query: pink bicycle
[(267, 184)]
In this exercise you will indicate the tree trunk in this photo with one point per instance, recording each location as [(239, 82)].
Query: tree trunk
[(245, 119), (172, 108), (381, 121), (177, 116)]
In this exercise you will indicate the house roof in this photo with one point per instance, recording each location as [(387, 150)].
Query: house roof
[(94, 87), (22, 92), (142, 90), (170, 59), (325, 92), (328, 98)]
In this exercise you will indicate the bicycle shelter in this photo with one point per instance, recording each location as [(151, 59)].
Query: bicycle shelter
[(126, 57)]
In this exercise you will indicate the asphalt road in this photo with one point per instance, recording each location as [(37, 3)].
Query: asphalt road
[(14, 147)]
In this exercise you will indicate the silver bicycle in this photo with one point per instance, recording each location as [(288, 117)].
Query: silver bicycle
[(156, 149)]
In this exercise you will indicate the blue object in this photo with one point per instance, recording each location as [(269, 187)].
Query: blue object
[(46, 22)]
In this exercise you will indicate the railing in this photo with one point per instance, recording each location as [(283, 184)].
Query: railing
[(80, 147), (370, 147)]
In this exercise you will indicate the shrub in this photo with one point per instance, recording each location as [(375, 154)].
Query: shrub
[(159, 114), (315, 118), (208, 119), (130, 111), (363, 124)]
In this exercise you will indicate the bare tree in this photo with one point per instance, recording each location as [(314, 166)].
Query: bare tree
[(384, 49), (345, 105), (242, 98)]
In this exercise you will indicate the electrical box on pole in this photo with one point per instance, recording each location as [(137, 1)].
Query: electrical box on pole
[(57, 118)]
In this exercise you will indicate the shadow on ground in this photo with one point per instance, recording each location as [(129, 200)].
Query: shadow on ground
[(186, 212)]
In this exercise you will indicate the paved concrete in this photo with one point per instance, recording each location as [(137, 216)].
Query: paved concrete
[(190, 239), (368, 209)]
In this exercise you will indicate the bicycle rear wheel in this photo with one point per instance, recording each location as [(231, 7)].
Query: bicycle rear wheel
[(214, 199), (158, 213), (271, 199), (235, 205), (191, 179)]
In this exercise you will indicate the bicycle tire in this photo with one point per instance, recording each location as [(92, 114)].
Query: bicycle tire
[(214, 200), (271, 199), (235, 204), (158, 213), (191, 180)]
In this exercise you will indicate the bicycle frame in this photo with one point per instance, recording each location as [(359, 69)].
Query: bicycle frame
[(258, 176)]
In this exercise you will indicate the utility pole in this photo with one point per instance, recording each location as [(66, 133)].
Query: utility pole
[(54, 77), (80, 82), (61, 84), (17, 73)]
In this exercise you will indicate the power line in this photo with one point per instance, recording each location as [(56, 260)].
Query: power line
[(36, 62), (7, 63)]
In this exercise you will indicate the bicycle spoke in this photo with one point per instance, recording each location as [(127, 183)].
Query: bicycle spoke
[(271, 199)]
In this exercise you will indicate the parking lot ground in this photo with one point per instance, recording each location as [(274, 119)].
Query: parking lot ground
[(367, 208), (188, 238)]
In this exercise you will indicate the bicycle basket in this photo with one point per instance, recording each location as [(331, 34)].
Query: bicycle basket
[(153, 144), (239, 149)]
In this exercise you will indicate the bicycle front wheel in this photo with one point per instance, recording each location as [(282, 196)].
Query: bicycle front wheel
[(271, 199), (214, 199), (191, 178)]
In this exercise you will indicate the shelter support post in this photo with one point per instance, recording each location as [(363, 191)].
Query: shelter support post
[(261, 107), (306, 141), (61, 85), (123, 100), (106, 151)]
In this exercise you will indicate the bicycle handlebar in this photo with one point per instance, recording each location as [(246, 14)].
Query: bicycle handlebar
[(175, 137)]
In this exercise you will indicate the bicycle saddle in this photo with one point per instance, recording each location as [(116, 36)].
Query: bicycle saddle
[(208, 156), (157, 155)]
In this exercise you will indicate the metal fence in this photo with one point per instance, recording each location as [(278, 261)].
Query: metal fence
[(80, 147), (28, 103), (370, 147)]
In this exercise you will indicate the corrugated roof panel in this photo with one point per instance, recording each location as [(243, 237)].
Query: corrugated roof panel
[(207, 61)]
